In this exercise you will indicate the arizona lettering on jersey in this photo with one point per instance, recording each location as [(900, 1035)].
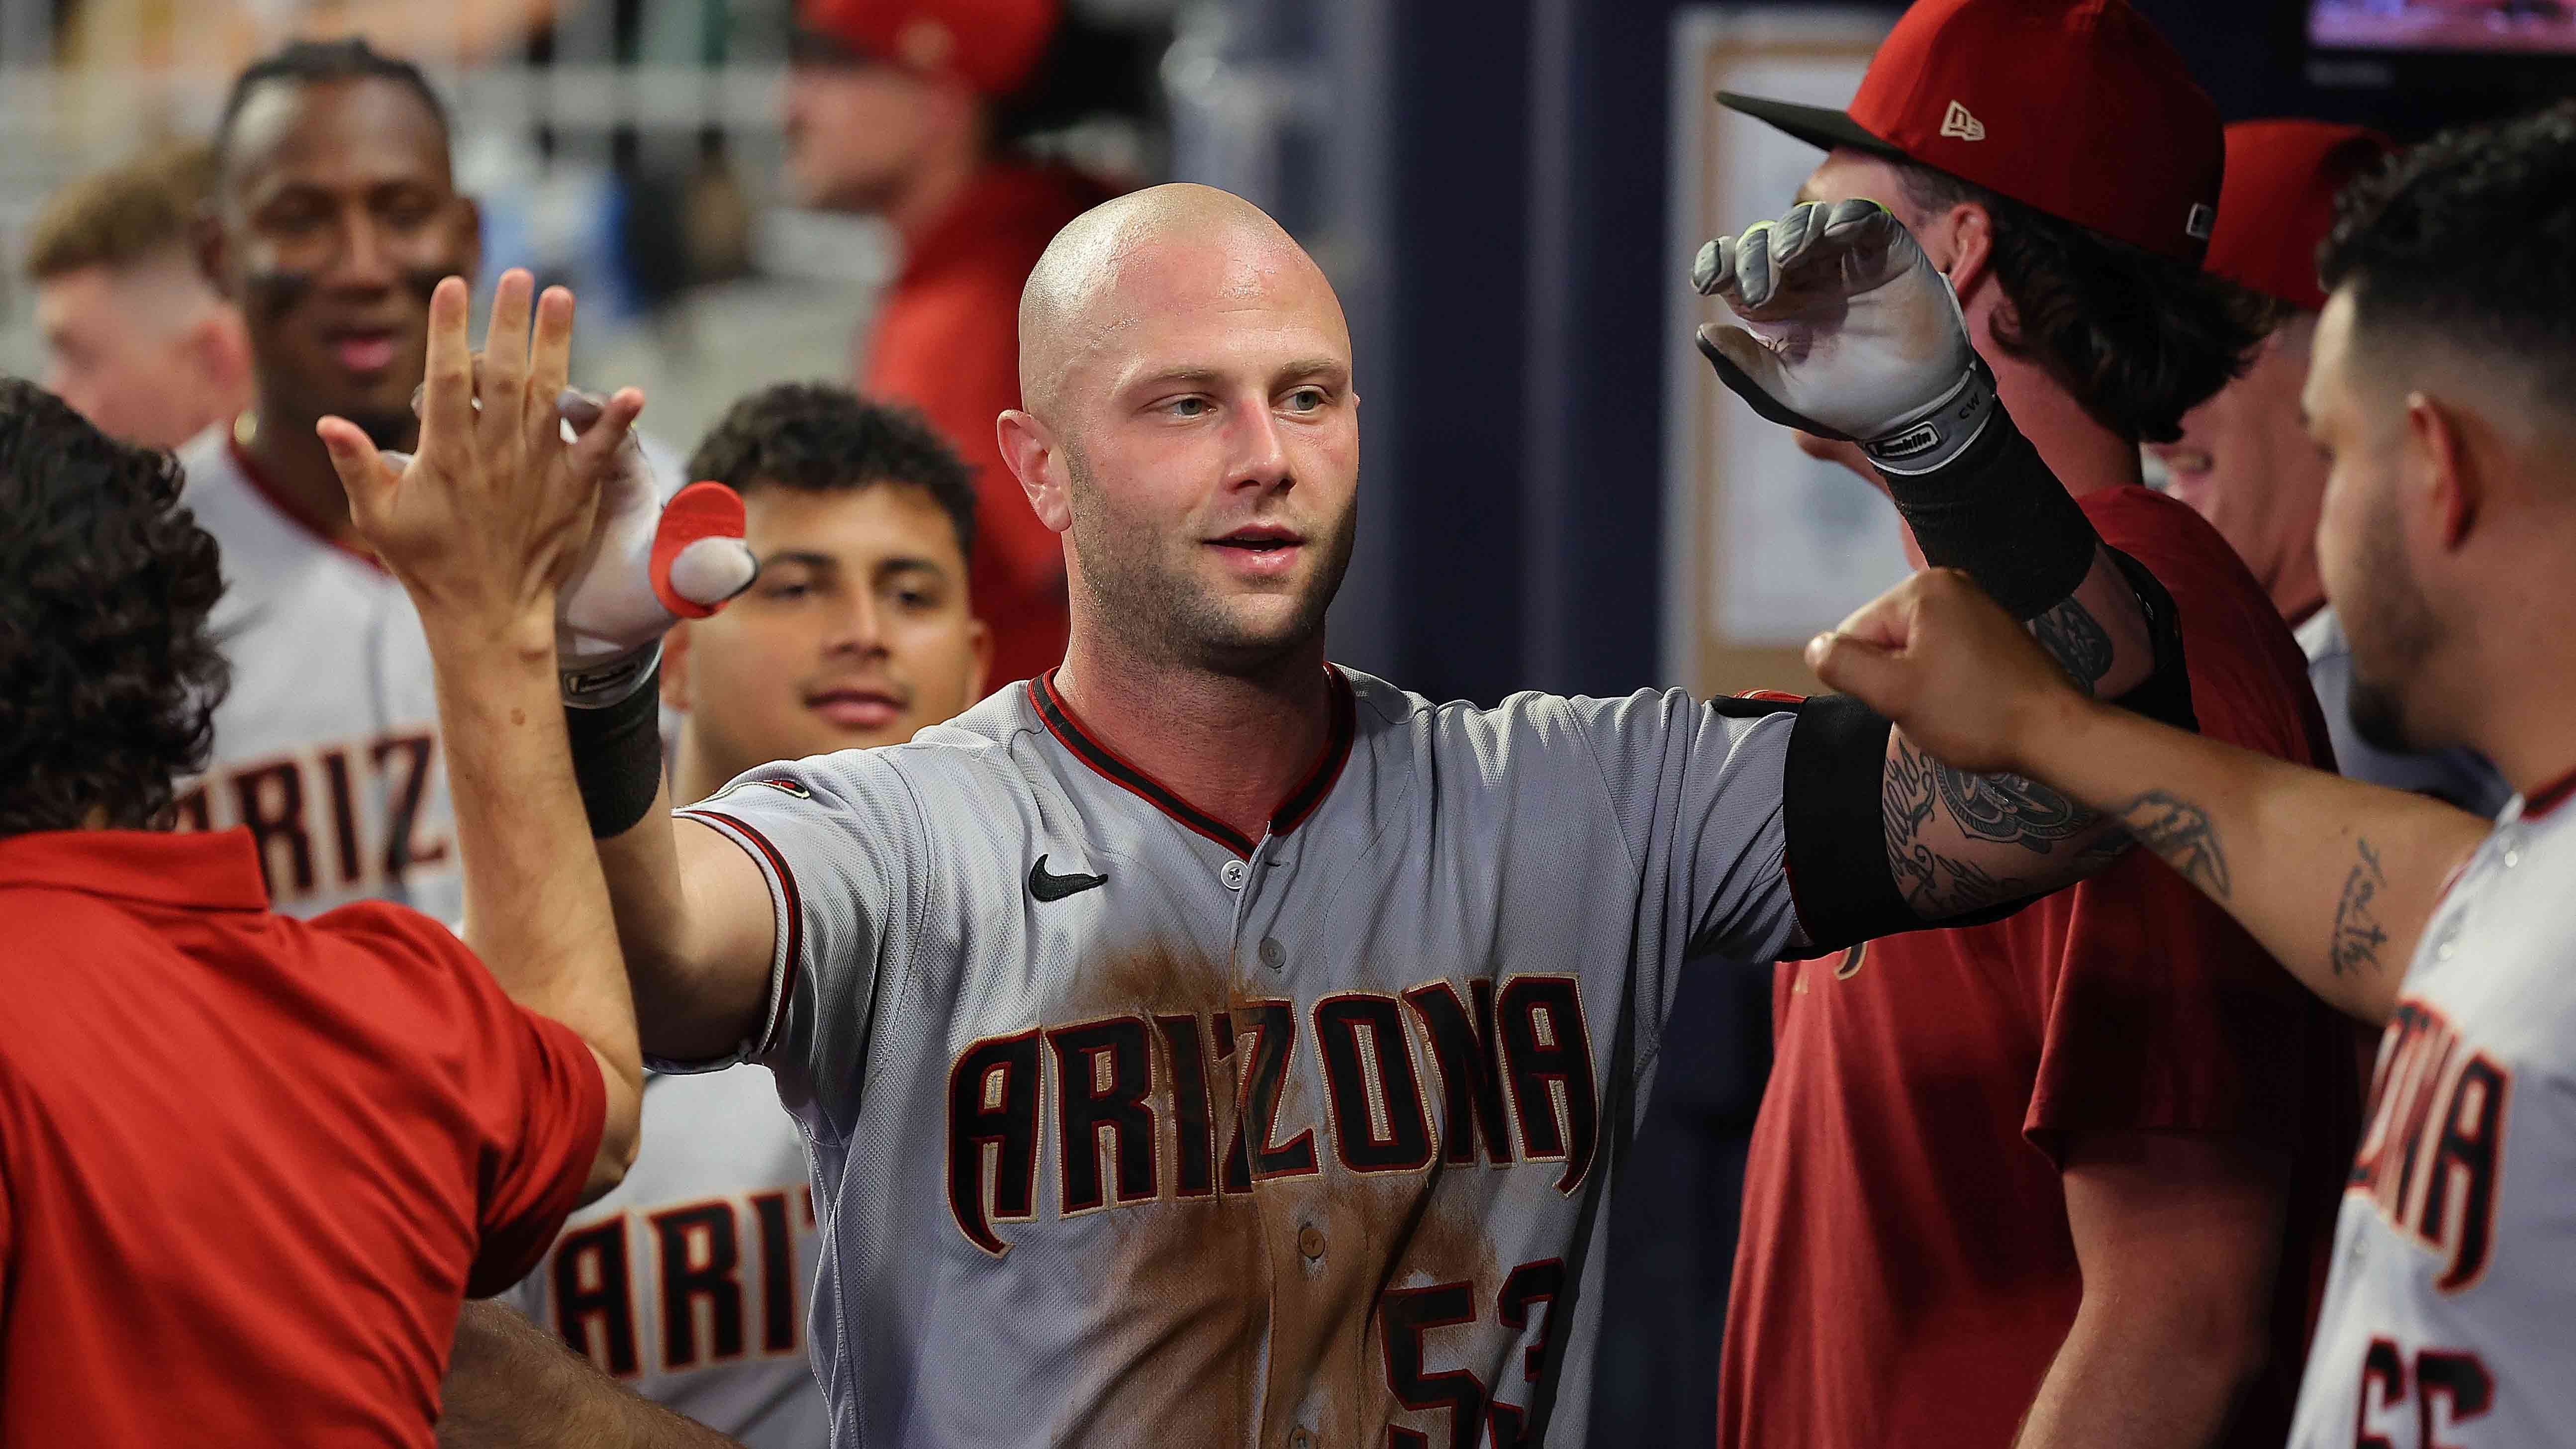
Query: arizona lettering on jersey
[(1133, 1130), (689, 1281), (1115, 1083), (326, 747), (2444, 1321)]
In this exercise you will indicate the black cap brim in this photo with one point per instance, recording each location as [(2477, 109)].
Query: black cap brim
[(1818, 126)]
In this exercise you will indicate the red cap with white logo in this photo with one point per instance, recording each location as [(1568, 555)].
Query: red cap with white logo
[(2278, 203), (992, 45), (2080, 110)]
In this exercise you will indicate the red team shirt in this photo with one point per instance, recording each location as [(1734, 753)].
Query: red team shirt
[(249, 1165), (1905, 1275), (948, 343)]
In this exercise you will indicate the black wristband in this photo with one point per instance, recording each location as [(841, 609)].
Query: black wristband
[(617, 758), (1998, 512)]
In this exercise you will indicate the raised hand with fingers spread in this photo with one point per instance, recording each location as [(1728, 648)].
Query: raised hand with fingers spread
[(488, 518), (1848, 333)]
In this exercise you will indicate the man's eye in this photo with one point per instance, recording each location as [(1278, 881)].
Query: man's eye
[(786, 590), (1306, 400), (1187, 407)]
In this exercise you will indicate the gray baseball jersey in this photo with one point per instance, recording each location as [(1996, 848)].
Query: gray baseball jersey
[(326, 748), (688, 1282), (2447, 1311), (1128, 1129)]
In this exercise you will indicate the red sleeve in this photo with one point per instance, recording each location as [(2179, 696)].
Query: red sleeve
[(2162, 1013), (532, 1086)]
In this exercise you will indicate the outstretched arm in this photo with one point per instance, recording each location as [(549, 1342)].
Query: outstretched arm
[(1848, 332), (2335, 878), (481, 527)]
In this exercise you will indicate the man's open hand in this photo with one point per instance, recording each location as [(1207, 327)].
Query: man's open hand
[(1848, 333), (484, 521), (1956, 674)]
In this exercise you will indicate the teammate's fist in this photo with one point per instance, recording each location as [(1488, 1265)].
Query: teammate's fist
[(649, 565), (1951, 668), (1848, 333)]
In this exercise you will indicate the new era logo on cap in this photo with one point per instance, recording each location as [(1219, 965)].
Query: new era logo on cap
[(2203, 217), (2076, 108)]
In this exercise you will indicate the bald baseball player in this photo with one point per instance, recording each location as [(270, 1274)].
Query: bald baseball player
[(689, 1282), (2439, 392), (1202, 1043)]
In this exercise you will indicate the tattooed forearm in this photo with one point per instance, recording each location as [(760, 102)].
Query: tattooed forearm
[(2077, 641), (2009, 809), (2182, 833), (2357, 932)]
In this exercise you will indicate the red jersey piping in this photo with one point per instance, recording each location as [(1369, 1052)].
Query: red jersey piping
[(1287, 815)]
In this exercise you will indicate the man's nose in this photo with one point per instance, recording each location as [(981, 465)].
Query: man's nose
[(365, 255), (858, 626), (1261, 452)]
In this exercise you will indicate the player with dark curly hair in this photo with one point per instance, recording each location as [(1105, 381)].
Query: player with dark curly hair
[(108, 676), (2440, 392), (250, 1165)]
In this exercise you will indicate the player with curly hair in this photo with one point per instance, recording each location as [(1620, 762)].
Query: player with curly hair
[(250, 1165)]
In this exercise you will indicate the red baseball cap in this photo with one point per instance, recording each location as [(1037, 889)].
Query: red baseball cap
[(2278, 203), (2079, 110), (992, 45)]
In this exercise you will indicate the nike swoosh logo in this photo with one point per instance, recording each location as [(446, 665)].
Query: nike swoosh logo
[(1047, 886)]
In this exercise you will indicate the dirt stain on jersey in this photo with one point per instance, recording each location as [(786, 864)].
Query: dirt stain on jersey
[(1230, 1307)]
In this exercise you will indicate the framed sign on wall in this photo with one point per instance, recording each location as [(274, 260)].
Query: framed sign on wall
[(1765, 545)]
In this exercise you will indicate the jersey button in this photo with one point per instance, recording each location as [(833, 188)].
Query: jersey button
[(1232, 874), (1301, 1440), (1310, 1241), (1273, 955)]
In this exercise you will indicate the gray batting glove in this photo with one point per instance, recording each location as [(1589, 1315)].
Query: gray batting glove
[(1848, 332)]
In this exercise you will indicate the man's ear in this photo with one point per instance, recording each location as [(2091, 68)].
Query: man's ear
[(1032, 455), (979, 640), (219, 346), (213, 253), (471, 219), (1968, 234), (675, 667), (2445, 468)]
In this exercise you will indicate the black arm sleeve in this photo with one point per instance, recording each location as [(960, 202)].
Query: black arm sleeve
[(1835, 793), (1999, 514)]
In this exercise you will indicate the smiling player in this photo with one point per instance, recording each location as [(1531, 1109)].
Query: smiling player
[(858, 633), (334, 214)]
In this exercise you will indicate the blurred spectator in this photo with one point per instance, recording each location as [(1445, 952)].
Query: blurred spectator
[(892, 109), (335, 214), (2065, 1178), (134, 336), (2244, 459), (856, 635)]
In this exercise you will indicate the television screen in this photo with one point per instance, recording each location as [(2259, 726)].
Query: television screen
[(2491, 26)]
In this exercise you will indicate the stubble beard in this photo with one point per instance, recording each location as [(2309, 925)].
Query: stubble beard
[(2390, 629), (1159, 612)]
